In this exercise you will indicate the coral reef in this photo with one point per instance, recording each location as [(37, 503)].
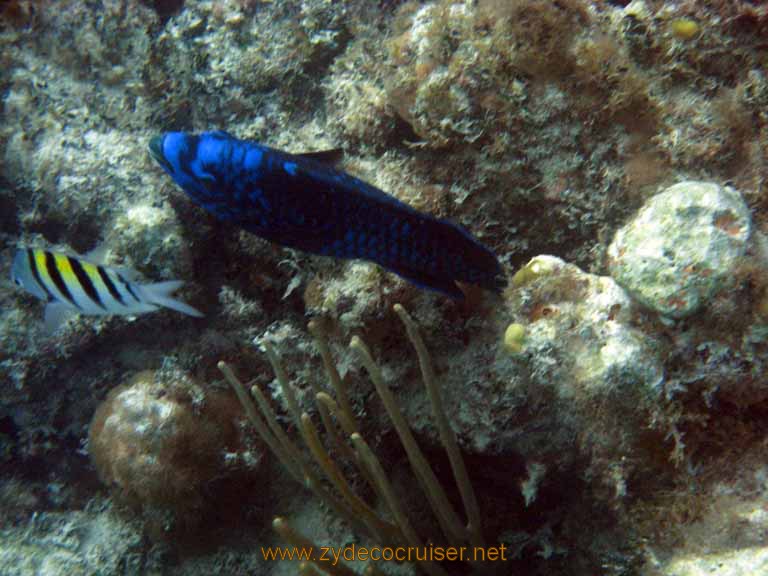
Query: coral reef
[(610, 407), (344, 502), (586, 363), (92, 541), (725, 521), (165, 446)]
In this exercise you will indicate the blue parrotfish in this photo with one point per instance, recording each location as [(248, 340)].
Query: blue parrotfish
[(298, 202), (74, 284)]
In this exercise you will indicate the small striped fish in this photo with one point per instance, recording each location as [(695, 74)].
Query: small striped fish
[(71, 284)]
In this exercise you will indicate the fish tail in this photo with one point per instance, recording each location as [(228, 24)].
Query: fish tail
[(159, 294)]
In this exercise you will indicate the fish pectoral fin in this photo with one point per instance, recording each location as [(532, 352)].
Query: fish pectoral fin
[(55, 316), (425, 280)]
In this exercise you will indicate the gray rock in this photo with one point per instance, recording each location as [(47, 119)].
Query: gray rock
[(730, 563), (93, 541), (580, 325), (682, 247)]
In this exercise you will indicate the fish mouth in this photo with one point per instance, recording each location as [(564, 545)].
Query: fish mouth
[(156, 151)]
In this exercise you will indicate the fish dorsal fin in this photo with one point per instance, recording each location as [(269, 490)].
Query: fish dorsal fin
[(330, 157), (128, 274), (97, 255)]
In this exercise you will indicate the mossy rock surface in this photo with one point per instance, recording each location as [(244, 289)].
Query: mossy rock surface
[(682, 247)]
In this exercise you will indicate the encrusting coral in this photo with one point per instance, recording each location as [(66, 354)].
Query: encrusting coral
[(587, 362), (160, 441), (341, 498)]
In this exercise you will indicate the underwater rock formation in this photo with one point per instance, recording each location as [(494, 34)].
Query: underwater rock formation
[(599, 374), (542, 127), (682, 247), (97, 540), (580, 325), (725, 532), (160, 442), (747, 561)]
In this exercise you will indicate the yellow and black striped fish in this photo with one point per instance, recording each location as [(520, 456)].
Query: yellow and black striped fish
[(71, 284)]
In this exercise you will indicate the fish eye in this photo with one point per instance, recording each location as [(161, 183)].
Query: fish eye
[(17, 281)]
